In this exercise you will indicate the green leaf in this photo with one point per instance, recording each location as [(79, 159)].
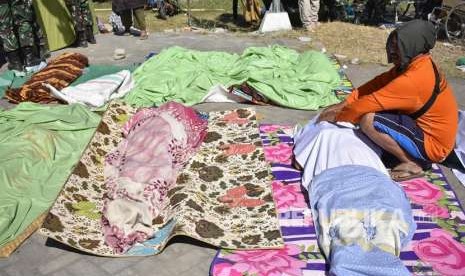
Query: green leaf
[(89, 215), (454, 208), (84, 205), (444, 202), (227, 251), (302, 257), (444, 225), (439, 182), (461, 229), (462, 239), (122, 118), (311, 248)]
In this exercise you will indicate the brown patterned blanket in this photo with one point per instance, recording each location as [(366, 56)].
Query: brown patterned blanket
[(222, 196), (59, 73)]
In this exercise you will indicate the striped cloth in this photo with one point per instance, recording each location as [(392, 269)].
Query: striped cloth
[(437, 248), (59, 73)]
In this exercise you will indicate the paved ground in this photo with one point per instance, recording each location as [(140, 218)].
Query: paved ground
[(183, 257)]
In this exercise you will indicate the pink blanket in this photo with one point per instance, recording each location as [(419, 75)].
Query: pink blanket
[(144, 166)]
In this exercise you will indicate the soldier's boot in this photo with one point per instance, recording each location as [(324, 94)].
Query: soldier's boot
[(29, 58), (14, 60), (82, 39), (90, 35)]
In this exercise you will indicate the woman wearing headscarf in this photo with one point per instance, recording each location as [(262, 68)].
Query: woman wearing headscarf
[(409, 111)]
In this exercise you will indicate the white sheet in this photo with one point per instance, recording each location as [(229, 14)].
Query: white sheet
[(323, 146), (96, 92), (460, 146)]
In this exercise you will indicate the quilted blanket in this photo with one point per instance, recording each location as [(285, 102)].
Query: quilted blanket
[(222, 196)]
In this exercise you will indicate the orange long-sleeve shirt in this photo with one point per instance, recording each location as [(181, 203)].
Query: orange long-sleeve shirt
[(406, 93)]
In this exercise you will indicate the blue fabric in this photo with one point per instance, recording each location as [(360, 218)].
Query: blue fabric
[(365, 190), (404, 130), (404, 141), (352, 260)]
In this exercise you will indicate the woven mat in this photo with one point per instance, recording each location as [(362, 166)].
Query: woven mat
[(438, 246), (346, 86), (222, 197)]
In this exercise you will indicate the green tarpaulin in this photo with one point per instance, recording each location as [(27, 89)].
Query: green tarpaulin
[(289, 79), (39, 145)]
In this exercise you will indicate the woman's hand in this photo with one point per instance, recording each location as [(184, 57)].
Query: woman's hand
[(330, 113)]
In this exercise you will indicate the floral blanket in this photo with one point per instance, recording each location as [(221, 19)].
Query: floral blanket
[(222, 196), (157, 143), (437, 248)]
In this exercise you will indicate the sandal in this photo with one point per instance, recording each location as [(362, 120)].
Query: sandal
[(405, 174)]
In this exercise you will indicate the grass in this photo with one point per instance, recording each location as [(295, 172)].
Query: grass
[(368, 45)]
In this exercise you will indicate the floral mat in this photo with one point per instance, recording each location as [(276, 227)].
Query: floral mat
[(222, 197), (438, 246), (345, 87)]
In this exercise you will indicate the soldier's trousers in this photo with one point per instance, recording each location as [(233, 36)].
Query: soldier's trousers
[(374, 11), (16, 24), (80, 12)]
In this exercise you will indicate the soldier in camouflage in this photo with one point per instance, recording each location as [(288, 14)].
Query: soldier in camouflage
[(17, 32), (40, 39), (82, 19)]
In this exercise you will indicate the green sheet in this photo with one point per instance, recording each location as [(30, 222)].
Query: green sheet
[(300, 81), (8, 79), (39, 145)]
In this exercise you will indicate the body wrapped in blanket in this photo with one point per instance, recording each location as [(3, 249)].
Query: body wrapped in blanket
[(362, 221), (362, 218), (59, 73)]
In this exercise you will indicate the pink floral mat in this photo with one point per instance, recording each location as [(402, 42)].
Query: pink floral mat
[(437, 248)]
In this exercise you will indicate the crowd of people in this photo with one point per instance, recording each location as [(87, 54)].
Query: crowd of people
[(25, 44), (373, 13), (24, 40)]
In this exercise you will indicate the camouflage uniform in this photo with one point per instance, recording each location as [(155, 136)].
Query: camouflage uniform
[(39, 35), (80, 11), (16, 24)]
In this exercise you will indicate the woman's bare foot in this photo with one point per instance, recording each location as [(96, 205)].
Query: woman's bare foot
[(406, 171)]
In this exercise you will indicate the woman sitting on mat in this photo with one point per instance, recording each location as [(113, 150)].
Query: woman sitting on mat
[(409, 111)]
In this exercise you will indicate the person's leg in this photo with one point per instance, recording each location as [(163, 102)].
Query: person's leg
[(86, 19), (40, 40), (368, 12), (79, 26), (23, 17), (9, 39), (395, 139), (305, 11), (139, 15), (126, 19), (331, 4), (429, 6), (235, 3), (315, 8), (380, 9), (383, 140)]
